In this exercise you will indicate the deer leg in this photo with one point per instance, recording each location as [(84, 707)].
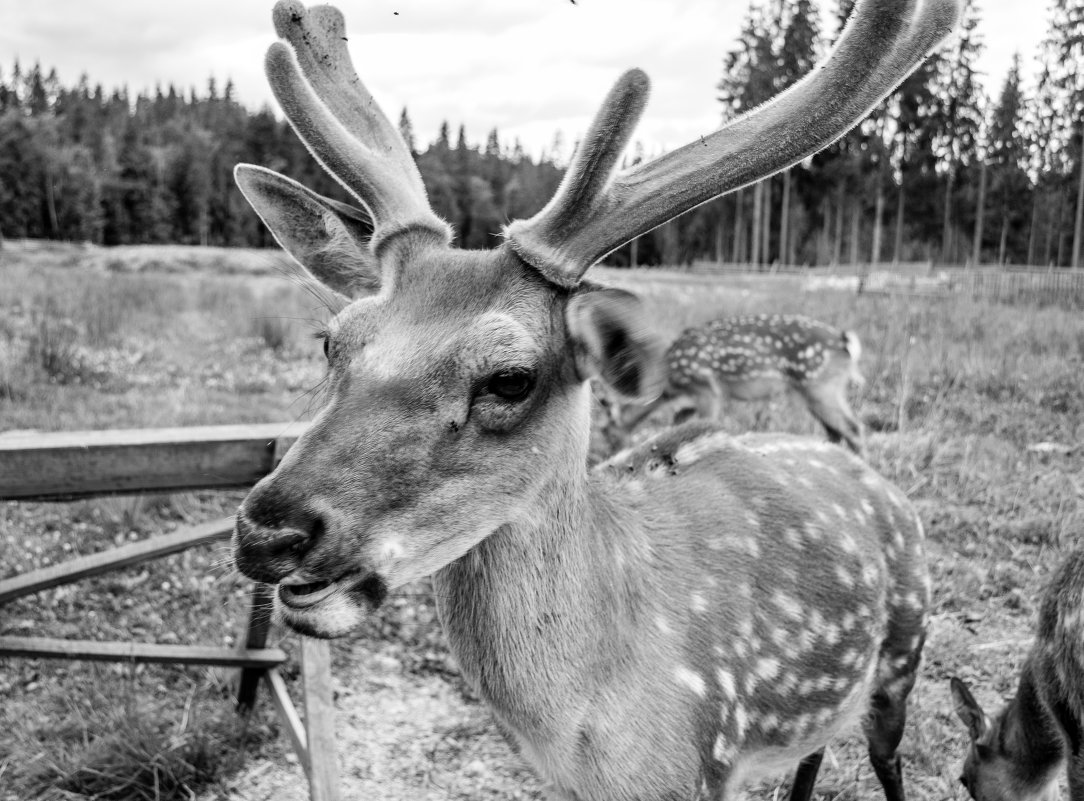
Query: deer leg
[(705, 403), (711, 399), (1076, 777), (888, 714), (1072, 729), (684, 415), (761, 417), (806, 776)]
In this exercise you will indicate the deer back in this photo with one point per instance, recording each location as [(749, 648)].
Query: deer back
[(753, 356)]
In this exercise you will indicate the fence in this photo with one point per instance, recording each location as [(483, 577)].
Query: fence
[(64, 466), (1060, 286)]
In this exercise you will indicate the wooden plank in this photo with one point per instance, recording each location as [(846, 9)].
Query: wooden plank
[(295, 729), (52, 466), (97, 651), (124, 556), (319, 720), (259, 624)]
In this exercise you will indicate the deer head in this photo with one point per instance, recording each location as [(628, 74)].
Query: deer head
[(457, 401)]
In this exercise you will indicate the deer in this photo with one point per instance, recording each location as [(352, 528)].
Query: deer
[(1018, 754), (755, 358), (668, 624)]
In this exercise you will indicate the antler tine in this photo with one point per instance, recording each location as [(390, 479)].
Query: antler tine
[(335, 115), (884, 41), (539, 241)]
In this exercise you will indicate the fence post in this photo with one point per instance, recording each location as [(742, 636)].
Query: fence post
[(259, 624), (319, 720)]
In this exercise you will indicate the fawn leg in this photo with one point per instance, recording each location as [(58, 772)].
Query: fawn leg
[(806, 776)]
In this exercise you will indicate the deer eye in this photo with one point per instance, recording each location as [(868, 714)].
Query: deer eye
[(511, 385), (325, 336)]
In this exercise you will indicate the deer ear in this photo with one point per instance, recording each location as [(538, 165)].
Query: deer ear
[(968, 709), (328, 238), (613, 341)]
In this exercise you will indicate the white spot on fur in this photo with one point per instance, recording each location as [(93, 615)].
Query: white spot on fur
[(726, 684), (767, 669), (692, 680), (741, 721), (870, 575), (831, 634), (719, 750), (698, 603), (845, 579), (788, 606)]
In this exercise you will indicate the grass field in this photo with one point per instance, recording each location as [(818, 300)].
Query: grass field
[(975, 410)]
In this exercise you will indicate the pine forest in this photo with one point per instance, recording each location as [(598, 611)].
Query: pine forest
[(943, 171)]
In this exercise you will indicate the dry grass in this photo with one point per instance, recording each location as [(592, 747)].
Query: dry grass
[(959, 392)]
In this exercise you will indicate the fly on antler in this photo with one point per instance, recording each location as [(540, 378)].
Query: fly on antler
[(660, 627)]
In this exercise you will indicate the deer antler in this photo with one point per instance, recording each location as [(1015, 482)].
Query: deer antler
[(595, 212), (331, 110)]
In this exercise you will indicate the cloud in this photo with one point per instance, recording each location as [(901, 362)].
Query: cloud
[(526, 67)]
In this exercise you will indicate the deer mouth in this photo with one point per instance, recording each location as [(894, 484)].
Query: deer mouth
[(303, 593), (307, 595)]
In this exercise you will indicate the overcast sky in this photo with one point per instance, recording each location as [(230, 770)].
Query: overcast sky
[(527, 67)]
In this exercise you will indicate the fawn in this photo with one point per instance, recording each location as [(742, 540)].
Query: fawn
[(753, 358), (1018, 754), (667, 624)]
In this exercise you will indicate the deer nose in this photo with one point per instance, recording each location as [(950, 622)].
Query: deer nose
[(267, 550)]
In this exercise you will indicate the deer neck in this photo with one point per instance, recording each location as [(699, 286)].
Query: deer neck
[(1030, 733), (542, 608)]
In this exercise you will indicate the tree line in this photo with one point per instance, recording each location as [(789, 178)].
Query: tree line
[(938, 172), (78, 163)]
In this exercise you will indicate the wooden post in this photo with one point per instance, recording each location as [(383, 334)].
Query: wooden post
[(758, 202), (323, 767), (259, 624), (784, 221), (1078, 224), (897, 249), (737, 253), (980, 217), (766, 250)]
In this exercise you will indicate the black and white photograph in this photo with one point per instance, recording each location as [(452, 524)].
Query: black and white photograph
[(542, 400)]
